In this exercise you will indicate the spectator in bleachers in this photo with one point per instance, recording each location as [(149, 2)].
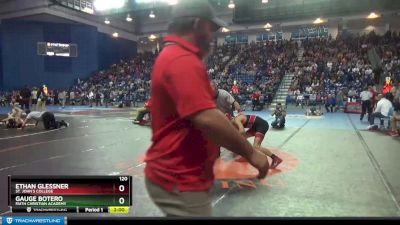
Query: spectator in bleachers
[(330, 103), (352, 95)]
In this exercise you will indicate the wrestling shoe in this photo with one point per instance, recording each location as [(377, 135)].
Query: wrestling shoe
[(394, 133), (136, 122), (63, 123), (372, 127), (275, 162)]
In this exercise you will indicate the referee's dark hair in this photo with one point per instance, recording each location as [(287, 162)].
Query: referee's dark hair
[(389, 96)]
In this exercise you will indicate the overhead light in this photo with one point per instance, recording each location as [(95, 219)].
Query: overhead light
[(231, 4), (107, 21), (268, 29), (102, 5), (152, 37), (372, 15), (172, 2), (264, 1), (318, 21), (152, 15), (268, 25), (115, 34), (129, 18), (224, 30)]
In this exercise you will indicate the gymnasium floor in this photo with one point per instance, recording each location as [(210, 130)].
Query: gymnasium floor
[(332, 165)]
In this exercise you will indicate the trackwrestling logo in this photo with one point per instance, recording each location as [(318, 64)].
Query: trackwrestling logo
[(28, 220)]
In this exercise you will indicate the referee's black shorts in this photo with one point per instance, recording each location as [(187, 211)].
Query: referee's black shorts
[(49, 121)]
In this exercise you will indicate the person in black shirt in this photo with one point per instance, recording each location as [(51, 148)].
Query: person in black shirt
[(98, 98), (106, 97), (280, 115), (25, 94)]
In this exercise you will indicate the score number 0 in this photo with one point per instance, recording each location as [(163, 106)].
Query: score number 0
[(121, 188)]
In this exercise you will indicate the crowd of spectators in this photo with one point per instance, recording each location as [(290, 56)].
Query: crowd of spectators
[(123, 84), (334, 71), (257, 68), (331, 71)]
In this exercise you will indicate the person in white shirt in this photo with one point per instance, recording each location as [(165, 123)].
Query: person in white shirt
[(308, 89), (48, 119), (366, 106), (351, 94), (72, 98), (34, 98), (90, 97), (14, 119), (62, 96), (299, 100), (329, 65), (368, 71), (383, 109)]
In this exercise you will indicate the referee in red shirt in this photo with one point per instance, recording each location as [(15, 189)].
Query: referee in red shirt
[(187, 128)]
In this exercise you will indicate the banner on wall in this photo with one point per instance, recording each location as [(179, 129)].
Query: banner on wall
[(353, 107)]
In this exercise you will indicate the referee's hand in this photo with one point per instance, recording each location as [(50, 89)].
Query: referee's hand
[(260, 161)]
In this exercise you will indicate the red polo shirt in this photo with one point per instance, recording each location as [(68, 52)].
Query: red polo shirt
[(147, 104), (180, 156), (235, 89)]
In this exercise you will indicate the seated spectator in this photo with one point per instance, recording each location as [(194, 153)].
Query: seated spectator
[(330, 103), (313, 111), (142, 112), (383, 109), (352, 95), (299, 100), (313, 99), (280, 115)]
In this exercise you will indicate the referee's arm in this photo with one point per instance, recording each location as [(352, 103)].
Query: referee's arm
[(24, 123)]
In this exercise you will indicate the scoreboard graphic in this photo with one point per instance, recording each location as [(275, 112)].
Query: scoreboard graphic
[(70, 194), (57, 49)]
